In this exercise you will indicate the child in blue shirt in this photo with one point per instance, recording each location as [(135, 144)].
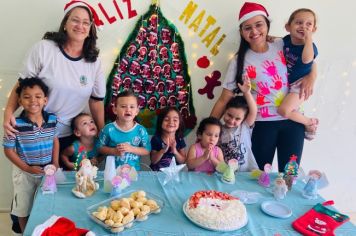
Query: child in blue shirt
[(125, 138), (299, 51), (34, 146)]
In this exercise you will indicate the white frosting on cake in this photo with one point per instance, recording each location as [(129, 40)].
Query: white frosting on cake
[(218, 214)]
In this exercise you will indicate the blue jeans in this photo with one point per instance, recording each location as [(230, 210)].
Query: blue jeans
[(285, 136)]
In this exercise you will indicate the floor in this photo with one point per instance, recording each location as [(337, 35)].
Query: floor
[(5, 226)]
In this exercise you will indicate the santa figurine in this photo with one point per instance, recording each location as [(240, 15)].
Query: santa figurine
[(49, 184), (280, 188)]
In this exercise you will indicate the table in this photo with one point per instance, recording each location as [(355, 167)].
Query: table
[(171, 220)]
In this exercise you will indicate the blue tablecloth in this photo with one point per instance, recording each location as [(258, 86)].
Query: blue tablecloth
[(171, 220)]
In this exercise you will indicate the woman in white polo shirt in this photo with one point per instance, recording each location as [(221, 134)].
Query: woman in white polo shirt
[(67, 61)]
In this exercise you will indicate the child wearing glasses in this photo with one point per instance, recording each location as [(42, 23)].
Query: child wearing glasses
[(239, 117)]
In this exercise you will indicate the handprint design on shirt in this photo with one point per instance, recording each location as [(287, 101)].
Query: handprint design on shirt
[(251, 72), (282, 57), (263, 88), (277, 82), (270, 68), (260, 100), (264, 111)]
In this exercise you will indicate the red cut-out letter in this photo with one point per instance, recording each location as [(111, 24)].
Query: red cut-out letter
[(111, 19), (131, 13)]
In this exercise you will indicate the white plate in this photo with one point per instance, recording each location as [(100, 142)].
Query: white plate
[(276, 209), (206, 227)]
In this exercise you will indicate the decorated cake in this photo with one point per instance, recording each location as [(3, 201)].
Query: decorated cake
[(216, 210)]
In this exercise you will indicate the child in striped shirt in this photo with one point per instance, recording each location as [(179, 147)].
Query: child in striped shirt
[(34, 146)]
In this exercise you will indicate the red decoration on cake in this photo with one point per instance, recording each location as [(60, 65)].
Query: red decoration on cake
[(194, 199)]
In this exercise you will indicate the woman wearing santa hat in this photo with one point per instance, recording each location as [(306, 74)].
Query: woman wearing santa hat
[(67, 61), (263, 63)]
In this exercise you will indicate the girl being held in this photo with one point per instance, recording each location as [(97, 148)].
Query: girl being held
[(204, 155), (86, 145), (300, 52), (168, 140)]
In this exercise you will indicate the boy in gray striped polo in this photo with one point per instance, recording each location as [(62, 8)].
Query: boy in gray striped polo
[(34, 145)]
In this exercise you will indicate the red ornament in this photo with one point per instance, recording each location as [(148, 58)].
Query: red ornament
[(203, 62)]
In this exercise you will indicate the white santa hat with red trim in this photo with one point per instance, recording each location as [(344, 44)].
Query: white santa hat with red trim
[(251, 9), (69, 6), (57, 225)]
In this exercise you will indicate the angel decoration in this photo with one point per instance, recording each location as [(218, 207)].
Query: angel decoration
[(264, 179), (315, 180), (228, 170), (84, 178), (125, 175)]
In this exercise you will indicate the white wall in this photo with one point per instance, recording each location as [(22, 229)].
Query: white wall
[(22, 23)]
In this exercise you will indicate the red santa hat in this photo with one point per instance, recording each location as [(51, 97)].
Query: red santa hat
[(251, 9), (60, 226), (69, 6)]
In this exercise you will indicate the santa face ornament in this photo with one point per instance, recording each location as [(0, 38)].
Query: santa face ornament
[(160, 87), (145, 71), (162, 102), (170, 86), (131, 50), (149, 86), (152, 22), (180, 81), (177, 65), (127, 83), (123, 66), (134, 68), (141, 35), (141, 101), (152, 103), (163, 53), (137, 86), (166, 35)]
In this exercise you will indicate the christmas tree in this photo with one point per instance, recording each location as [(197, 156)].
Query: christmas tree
[(152, 63)]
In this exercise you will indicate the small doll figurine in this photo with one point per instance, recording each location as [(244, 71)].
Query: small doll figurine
[(310, 190), (280, 188), (264, 179), (49, 184), (118, 184)]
